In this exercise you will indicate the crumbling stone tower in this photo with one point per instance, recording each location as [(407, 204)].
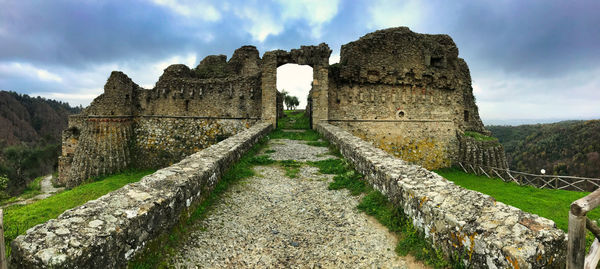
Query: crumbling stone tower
[(410, 94)]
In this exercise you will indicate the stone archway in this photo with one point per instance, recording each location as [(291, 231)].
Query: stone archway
[(316, 57)]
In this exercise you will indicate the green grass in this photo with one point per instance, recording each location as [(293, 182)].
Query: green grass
[(308, 135), (294, 119), (318, 143), (291, 167), (331, 166), (480, 137), (550, 204), (19, 218), (157, 250)]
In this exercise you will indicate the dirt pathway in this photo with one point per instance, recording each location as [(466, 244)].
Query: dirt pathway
[(273, 221), (46, 188)]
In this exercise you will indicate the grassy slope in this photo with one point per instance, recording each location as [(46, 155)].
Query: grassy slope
[(19, 218), (551, 204)]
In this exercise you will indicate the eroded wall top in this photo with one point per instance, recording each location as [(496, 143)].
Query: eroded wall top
[(396, 55)]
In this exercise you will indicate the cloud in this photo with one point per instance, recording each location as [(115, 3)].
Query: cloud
[(505, 97), (262, 22), (194, 9), (74, 99), (389, 13), (315, 12), (519, 52), (29, 71)]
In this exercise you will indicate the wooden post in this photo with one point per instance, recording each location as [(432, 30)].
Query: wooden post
[(577, 229), (3, 264), (576, 243), (591, 260)]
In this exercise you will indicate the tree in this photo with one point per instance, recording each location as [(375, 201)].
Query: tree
[(295, 102)]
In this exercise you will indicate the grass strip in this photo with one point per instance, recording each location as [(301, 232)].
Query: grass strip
[(307, 135), (480, 137), (158, 250), (19, 218), (294, 119), (374, 203), (550, 204)]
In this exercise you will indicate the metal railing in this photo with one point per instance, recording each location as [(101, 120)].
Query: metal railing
[(538, 181)]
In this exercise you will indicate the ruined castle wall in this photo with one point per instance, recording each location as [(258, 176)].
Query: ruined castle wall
[(187, 110), (484, 233), (161, 141), (108, 231), (414, 124), (236, 97), (407, 93)]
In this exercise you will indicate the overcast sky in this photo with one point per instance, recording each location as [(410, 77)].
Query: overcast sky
[(535, 59)]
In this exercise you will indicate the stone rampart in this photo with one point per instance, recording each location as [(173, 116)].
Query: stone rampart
[(484, 233), (187, 110), (108, 231)]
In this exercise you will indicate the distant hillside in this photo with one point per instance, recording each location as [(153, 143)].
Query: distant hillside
[(29, 120), (30, 137), (563, 148)]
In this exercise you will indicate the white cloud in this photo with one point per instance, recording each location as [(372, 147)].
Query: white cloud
[(265, 21), (390, 13), (315, 12), (74, 99), (28, 70), (147, 75), (262, 23), (296, 80), (502, 97), (189, 8)]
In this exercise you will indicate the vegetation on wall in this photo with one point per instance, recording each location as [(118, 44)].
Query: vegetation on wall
[(564, 148)]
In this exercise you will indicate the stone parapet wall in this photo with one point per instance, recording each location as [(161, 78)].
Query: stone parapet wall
[(484, 233), (106, 232)]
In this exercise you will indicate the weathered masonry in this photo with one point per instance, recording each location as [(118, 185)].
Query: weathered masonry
[(463, 223), (410, 95), (108, 231), (407, 93)]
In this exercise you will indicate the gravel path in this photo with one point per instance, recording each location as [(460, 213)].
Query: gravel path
[(46, 188), (271, 221)]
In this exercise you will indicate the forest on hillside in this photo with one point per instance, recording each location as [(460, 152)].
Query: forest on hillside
[(564, 148), (30, 138)]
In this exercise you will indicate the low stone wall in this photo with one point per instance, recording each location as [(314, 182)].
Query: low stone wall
[(108, 231), (463, 223)]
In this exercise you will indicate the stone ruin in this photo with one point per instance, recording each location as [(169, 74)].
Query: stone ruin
[(407, 93)]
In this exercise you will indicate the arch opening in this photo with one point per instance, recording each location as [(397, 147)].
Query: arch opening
[(296, 80)]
